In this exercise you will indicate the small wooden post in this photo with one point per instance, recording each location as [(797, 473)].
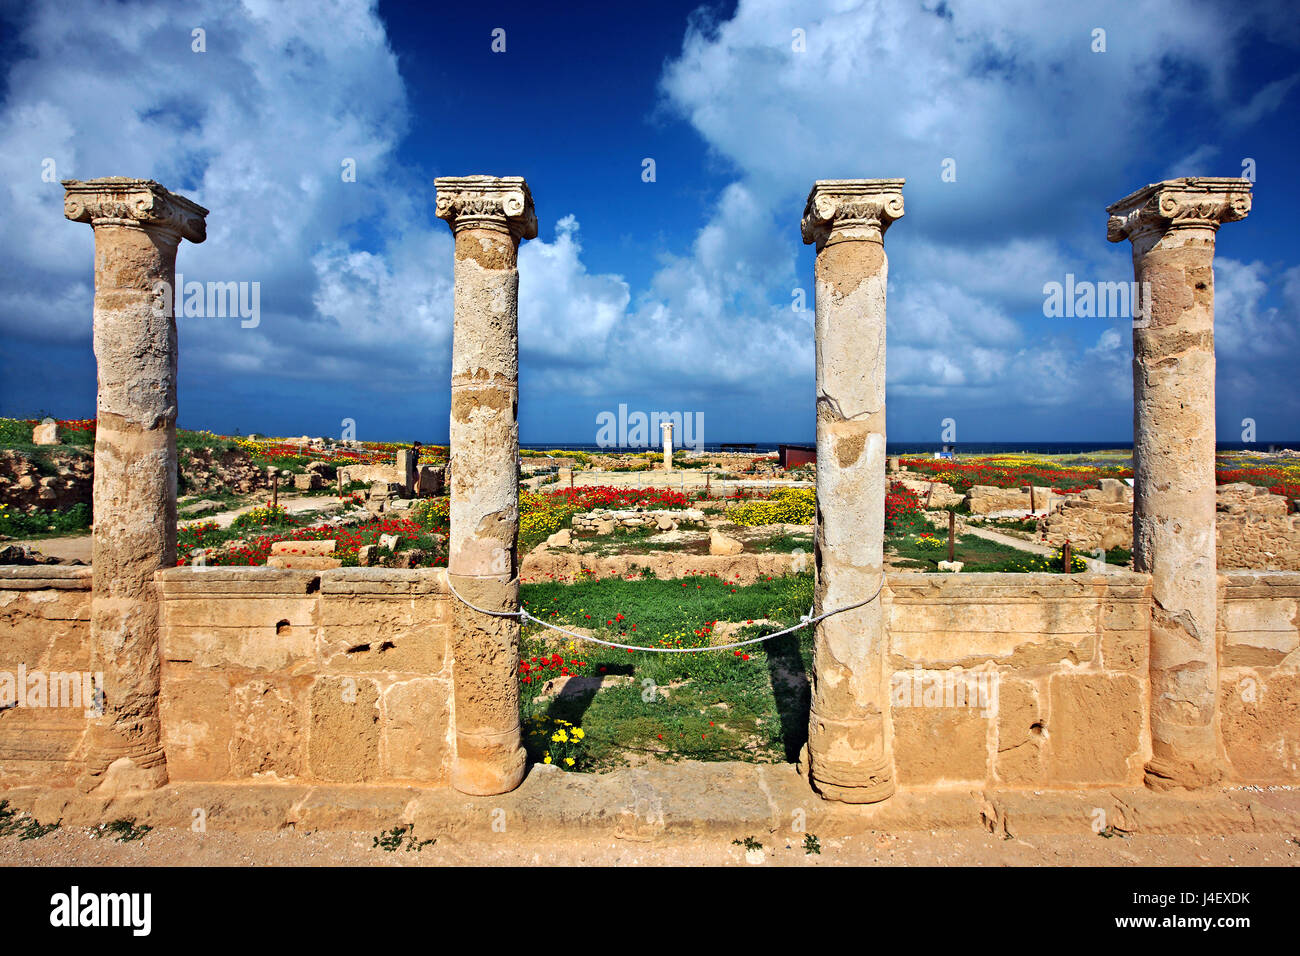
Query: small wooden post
[(275, 489), (1032, 509), (1065, 553), (952, 536), (928, 492)]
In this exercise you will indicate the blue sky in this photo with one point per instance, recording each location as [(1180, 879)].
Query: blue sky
[(672, 295)]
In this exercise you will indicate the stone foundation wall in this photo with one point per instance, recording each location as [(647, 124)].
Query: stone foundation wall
[(604, 520), (44, 628), (345, 676), (986, 499), (1252, 527), (1259, 675), (340, 675), (1063, 664), (1088, 525), (1258, 541), (25, 485)]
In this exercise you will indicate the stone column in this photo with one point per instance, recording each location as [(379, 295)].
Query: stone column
[(488, 216), (407, 472), (1172, 227), (666, 428), (138, 227), (850, 757)]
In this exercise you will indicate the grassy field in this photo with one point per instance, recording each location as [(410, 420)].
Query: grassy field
[(617, 707)]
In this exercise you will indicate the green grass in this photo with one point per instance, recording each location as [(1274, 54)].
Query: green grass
[(715, 705), (976, 553), (39, 523)]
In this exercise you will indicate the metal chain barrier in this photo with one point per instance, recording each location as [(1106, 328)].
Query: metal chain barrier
[(805, 620)]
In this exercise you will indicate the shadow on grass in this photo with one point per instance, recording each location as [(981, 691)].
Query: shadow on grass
[(792, 690)]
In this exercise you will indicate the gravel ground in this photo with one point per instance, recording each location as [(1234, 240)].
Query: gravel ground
[(172, 847)]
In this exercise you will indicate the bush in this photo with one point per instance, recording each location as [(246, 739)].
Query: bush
[(432, 514), (789, 506), (264, 517), (36, 523)]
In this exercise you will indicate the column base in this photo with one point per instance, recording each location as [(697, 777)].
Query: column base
[(1163, 774), (486, 766), (861, 769), (124, 776)]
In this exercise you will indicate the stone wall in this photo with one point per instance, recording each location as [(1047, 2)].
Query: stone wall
[(1061, 662), (604, 520), (64, 481), (1253, 529), (339, 675), (986, 499), (1249, 541), (344, 676), (44, 628), (1259, 675)]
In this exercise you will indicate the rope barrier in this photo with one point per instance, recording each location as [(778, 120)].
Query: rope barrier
[(805, 620)]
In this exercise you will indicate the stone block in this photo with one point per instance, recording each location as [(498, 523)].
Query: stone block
[(302, 562), (343, 741), (417, 723), (196, 726), (1019, 760), (1259, 711), (934, 745), (268, 718), (1094, 729)]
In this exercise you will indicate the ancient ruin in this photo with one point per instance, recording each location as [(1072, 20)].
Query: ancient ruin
[(1172, 227), (318, 692)]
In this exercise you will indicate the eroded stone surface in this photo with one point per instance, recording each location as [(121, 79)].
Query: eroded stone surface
[(1172, 227), (489, 217), (849, 750), (138, 227)]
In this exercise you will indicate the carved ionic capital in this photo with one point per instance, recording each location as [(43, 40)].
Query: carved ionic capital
[(840, 209), (1202, 202), (118, 200), (503, 204)]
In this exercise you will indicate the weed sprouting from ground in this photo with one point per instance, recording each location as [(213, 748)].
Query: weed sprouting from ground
[(122, 831), (401, 837), (17, 822)]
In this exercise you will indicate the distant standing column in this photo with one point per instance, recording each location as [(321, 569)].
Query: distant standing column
[(849, 753), (138, 227), (489, 217), (1172, 226), (667, 429)]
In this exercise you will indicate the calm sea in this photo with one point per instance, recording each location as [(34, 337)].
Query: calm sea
[(970, 448)]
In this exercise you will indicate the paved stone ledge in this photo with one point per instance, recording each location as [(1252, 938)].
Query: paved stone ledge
[(35, 577), (643, 804)]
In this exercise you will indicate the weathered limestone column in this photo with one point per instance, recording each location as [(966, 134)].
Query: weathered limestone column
[(849, 753), (488, 216), (1172, 227), (666, 428), (138, 226)]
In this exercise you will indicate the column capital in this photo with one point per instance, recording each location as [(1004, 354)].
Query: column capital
[(1195, 201), (843, 209), (500, 203), (122, 201)]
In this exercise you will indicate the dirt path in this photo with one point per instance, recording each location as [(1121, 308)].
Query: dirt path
[(1010, 541)]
